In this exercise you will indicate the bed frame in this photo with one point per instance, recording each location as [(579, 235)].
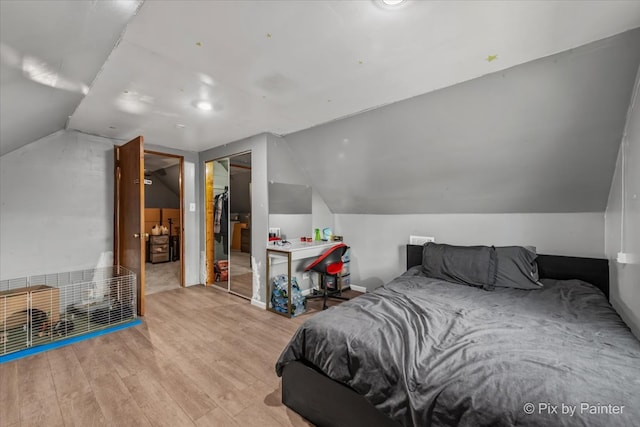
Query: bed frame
[(326, 402)]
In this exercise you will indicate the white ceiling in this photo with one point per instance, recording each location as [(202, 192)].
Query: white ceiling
[(283, 66), (50, 53), (275, 66)]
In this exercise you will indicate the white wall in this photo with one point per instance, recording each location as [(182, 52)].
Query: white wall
[(378, 242), (624, 235)]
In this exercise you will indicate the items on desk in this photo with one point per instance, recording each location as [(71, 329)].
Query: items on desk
[(317, 234)]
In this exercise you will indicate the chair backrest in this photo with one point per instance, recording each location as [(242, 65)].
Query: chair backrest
[(330, 262)]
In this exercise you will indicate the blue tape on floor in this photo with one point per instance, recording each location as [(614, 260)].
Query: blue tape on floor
[(57, 344)]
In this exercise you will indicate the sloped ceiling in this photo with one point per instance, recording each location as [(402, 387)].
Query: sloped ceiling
[(539, 137), (283, 66), (165, 169), (50, 53)]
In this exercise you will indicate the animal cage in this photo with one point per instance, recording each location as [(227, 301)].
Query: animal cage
[(39, 310)]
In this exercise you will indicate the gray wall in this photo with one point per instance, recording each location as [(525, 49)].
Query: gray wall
[(56, 205), (623, 235), (240, 201), (259, 204), (284, 169), (539, 137), (378, 241), (170, 178), (159, 195)]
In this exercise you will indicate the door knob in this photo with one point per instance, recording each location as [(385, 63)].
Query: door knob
[(137, 235)]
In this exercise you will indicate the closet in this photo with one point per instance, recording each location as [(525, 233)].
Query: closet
[(228, 224)]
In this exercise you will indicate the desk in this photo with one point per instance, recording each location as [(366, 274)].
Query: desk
[(292, 252)]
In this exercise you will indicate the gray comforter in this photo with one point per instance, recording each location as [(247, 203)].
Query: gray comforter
[(427, 352)]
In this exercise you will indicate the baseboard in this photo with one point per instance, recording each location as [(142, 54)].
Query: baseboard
[(258, 303), (359, 289)]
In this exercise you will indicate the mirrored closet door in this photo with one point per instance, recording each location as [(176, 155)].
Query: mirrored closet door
[(241, 274), (217, 222), (228, 224)]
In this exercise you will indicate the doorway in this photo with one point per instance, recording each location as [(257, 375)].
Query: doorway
[(228, 224), (163, 208)]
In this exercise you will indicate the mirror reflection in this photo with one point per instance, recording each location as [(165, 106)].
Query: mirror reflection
[(241, 274), (221, 223)]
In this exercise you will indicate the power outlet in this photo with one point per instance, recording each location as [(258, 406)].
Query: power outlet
[(624, 258), (420, 240)]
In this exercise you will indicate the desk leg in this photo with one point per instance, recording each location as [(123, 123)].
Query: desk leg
[(268, 281), (289, 285)]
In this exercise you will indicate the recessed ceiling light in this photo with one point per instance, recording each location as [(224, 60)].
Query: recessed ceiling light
[(180, 126), (204, 105), (392, 2)]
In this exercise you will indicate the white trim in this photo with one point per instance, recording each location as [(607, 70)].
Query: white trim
[(258, 303), (359, 288)]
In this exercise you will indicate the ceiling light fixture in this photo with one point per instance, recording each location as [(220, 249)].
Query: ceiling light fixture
[(204, 105), (392, 2)]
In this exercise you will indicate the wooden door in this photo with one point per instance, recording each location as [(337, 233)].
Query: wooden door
[(129, 235)]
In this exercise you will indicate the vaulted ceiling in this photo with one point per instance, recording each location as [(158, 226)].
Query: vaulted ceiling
[(539, 137), (275, 66), (50, 53)]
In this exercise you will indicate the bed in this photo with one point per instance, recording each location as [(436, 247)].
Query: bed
[(421, 351)]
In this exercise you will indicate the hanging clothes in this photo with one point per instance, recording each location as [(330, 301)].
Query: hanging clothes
[(221, 220)]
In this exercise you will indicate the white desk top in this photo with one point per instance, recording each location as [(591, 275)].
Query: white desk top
[(297, 245)]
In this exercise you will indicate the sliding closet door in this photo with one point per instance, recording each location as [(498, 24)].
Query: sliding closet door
[(217, 222), (240, 273)]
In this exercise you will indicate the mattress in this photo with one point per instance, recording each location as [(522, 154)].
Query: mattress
[(428, 352)]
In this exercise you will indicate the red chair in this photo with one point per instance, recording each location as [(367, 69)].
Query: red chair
[(329, 264)]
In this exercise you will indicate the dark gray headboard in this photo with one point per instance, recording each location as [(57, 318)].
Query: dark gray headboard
[(590, 270)]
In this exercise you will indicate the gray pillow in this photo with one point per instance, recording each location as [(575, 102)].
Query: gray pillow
[(467, 265), (517, 268)]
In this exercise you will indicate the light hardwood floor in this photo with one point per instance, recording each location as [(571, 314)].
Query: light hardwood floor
[(202, 357)]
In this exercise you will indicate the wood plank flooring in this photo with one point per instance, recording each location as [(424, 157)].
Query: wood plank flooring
[(201, 358)]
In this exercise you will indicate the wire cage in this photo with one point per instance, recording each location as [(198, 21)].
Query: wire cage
[(38, 310)]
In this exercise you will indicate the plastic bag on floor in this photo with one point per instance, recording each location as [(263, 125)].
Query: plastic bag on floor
[(279, 298)]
